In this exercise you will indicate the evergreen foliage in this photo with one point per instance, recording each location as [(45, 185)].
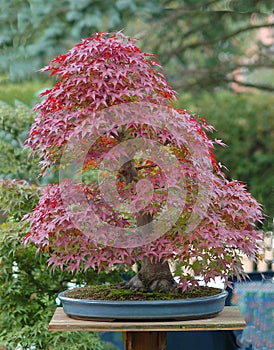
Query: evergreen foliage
[(203, 44)]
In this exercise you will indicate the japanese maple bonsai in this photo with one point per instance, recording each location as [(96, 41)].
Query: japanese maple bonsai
[(110, 73)]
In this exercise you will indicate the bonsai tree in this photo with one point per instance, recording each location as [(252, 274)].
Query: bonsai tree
[(139, 182)]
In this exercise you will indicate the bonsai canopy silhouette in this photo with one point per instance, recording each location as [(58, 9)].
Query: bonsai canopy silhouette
[(138, 178)]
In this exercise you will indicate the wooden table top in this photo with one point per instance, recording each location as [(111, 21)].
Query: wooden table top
[(229, 319)]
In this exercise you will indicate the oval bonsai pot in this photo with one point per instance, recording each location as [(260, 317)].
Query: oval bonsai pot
[(107, 310)]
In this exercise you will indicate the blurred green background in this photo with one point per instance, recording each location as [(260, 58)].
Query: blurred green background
[(216, 54)]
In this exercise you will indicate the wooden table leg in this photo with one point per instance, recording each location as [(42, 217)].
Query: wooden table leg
[(144, 340)]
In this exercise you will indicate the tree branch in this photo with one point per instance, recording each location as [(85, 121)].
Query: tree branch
[(146, 166), (252, 85), (223, 68), (214, 41), (176, 13)]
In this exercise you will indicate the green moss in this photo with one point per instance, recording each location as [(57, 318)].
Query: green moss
[(114, 292)]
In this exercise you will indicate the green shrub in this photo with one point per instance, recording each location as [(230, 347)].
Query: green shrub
[(28, 289), (15, 161)]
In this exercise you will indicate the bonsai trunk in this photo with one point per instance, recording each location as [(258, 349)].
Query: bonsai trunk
[(152, 276)]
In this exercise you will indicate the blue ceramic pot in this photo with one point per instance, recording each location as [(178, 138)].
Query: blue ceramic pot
[(181, 309)]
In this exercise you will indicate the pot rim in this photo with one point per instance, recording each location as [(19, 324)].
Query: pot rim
[(215, 297)]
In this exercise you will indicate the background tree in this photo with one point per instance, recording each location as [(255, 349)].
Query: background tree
[(208, 44), (202, 44), (246, 124), (27, 41)]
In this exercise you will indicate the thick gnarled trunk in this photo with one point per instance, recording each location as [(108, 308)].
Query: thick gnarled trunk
[(152, 276)]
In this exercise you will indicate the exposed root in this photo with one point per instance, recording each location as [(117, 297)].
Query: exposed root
[(161, 285)]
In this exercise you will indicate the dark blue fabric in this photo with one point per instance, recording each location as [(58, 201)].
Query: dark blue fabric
[(196, 340), (201, 340)]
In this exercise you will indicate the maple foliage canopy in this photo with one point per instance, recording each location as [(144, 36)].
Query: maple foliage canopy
[(110, 73)]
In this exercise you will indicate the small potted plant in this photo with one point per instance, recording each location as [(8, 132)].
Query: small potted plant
[(139, 185)]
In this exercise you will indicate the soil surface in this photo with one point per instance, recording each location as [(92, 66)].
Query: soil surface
[(114, 292)]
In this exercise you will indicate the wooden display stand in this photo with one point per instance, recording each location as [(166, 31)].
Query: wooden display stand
[(149, 335)]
